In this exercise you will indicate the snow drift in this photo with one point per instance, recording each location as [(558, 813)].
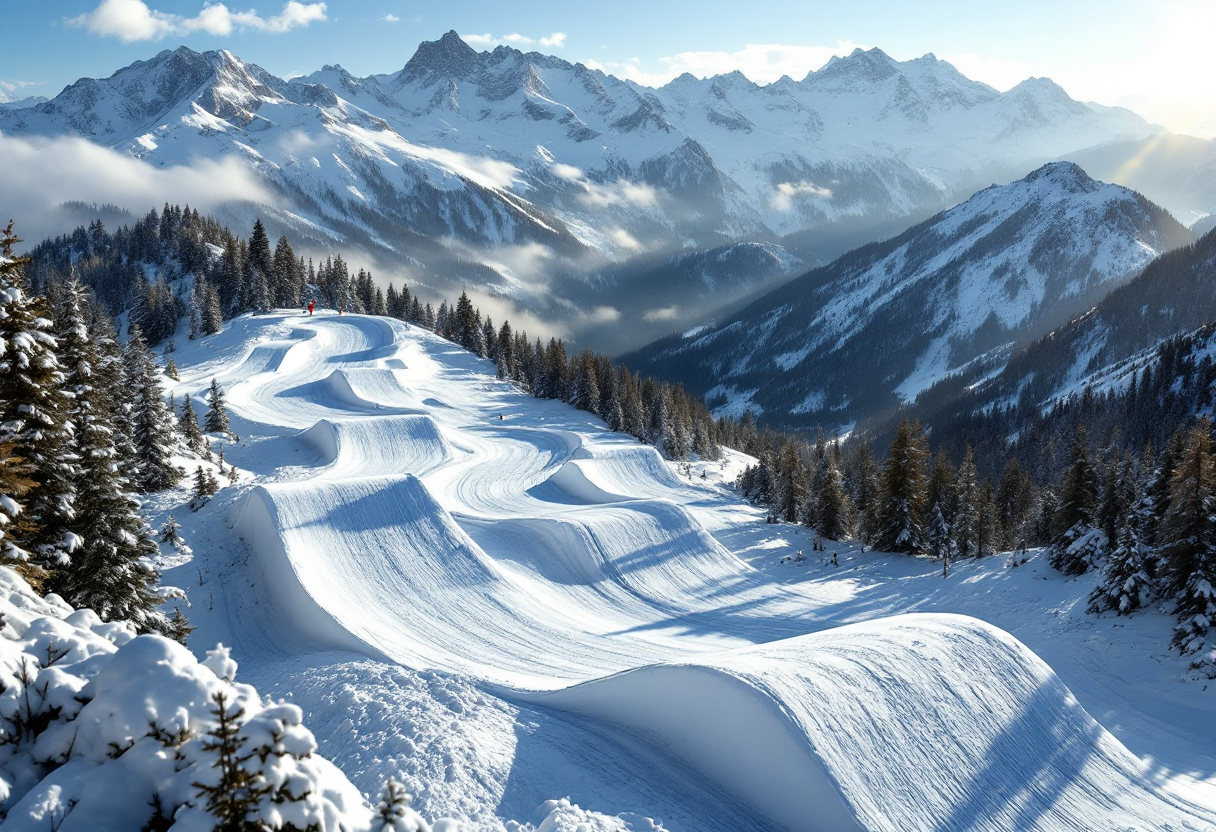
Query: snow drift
[(452, 525)]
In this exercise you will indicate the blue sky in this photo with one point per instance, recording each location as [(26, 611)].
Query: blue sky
[(1149, 55)]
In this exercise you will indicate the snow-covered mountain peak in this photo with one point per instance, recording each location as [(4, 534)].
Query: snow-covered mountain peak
[(861, 67), (1066, 176), (449, 57)]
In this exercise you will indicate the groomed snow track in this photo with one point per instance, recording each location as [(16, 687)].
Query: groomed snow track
[(449, 523)]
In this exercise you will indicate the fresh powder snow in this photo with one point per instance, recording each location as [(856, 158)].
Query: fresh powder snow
[(530, 620)]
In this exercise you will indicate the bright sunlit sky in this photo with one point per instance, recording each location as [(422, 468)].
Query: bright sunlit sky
[(1152, 56)]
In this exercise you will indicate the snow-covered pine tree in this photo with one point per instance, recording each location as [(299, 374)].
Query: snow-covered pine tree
[(902, 492), (288, 276), (792, 484), (15, 483), (866, 497), (938, 540), (832, 509), (216, 420), (987, 528), (192, 435), (1076, 548), (33, 413), (586, 384), (632, 407), (504, 354), (171, 369), (1187, 541), (966, 519), (1015, 502), (153, 431), (111, 571), (212, 313), (1125, 585)]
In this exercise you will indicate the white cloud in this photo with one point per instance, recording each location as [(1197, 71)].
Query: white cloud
[(783, 200), (666, 313), (41, 174), (555, 40), (8, 89), (601, 195), (391, 18), (603, 315), (133, 20), (625, 240), (763, 63)]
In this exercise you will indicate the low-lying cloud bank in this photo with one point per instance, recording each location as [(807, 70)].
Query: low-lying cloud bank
[(41, 174)]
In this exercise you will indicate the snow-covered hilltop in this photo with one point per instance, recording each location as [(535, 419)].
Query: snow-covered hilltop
[(500, 602), (958, 292), (462, 153)]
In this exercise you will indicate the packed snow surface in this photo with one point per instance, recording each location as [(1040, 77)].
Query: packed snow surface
[(496, 597)]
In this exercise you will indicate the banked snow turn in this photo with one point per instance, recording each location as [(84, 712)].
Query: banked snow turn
[(444, 521)]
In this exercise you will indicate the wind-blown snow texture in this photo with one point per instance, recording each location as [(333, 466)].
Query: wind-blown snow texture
[(499, 601)]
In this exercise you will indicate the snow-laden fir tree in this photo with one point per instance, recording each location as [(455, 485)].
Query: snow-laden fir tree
[(192, 435), (965, 522), (216, 420), (832, 509), (15, 483), (32, 413), (1079, 544), (1126, 585), (194, 313), (902, 490), (153, 428), (865, 493), (1187, 541), (111, 571)]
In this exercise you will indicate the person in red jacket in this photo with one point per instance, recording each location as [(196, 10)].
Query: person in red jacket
[(310, 304)]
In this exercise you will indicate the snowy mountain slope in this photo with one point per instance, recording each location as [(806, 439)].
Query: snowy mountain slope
[(524, 172), (885, 322), (407, 551), (1103, 349)]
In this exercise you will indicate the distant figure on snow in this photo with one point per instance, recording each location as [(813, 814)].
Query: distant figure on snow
[(834, 561), (311, 303), (799, 558)]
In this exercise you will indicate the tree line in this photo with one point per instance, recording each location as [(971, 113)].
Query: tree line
[(992, 485), (84, 427)]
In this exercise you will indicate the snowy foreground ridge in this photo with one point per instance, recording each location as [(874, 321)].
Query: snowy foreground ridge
[(407, 517)]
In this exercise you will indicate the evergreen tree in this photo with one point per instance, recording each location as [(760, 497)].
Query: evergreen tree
[(1076, 547), (15, 483), (504, 355), (189, 429), (1187, 541), (217, 412), (902, 490), (1015, 502), (212, 319), (966, 520), (866, 497), (234, 799), (586, 384), (938, 540), (111, 571), (832, 508), (152, 427), (792, 483), (33, 413), (1126, 585)]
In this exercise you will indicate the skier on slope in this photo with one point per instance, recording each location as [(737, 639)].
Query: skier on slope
[(310, 305)]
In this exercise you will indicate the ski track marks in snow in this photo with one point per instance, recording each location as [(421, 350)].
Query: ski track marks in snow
[(434, 518)]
